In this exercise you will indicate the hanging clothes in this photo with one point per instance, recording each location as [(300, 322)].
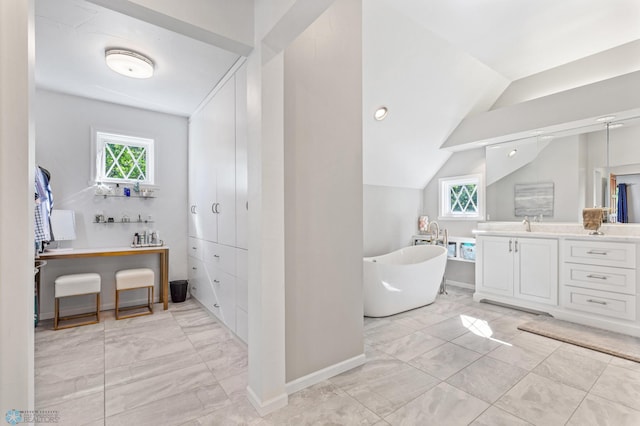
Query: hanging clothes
[(43, 206), (623, 215)]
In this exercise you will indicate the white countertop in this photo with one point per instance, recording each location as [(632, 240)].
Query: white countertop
[(611, 232)]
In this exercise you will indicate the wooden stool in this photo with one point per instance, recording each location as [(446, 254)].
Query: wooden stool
[(76, 285), (133, 279)]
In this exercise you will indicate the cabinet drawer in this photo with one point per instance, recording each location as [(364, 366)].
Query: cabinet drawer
[(224, 257), (601, 253), (615, 305), (196, 248), (600, 278)]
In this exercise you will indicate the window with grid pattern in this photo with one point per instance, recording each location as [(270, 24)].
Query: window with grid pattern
[(461, 197), (124, 159)]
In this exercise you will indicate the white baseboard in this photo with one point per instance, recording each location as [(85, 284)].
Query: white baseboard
[(265, 407), (460, 284), (324, 374)]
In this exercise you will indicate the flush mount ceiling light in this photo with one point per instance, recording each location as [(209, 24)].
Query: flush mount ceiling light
[(512, 153), (380, 113), (129, 63)]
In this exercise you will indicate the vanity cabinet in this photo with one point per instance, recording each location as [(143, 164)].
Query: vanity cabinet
[(599, 277), (519, 268), (218, 201)]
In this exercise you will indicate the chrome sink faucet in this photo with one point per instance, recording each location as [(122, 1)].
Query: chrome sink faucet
[(527, 223)]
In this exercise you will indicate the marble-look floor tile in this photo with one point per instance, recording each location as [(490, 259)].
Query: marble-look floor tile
[(225, 359), (56, 344), (128, 349), (442, 405), (322, 404), (120, 398), (239, 413), (152, 367), (541, 401), (78, 411), (487, 378), (235, 386), (525, 351), (52, 392), (202, 335), (571, 367), (130, 327), (188, 318), (448, 329), (68, 365), (497, 417), (625, 363), (598, 411), (409, 347), (444, 361), (384, 384), (386, 333), (619, 384), (418, 320), (477, 311), (174, 410), (481, 344), (446, 308)]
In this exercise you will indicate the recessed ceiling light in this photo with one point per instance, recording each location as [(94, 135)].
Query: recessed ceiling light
[(512, 153), (129, 63), (380, 113), (605, 118)]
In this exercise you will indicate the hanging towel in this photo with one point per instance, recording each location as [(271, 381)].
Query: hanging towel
[(623, 216), (592, 219)]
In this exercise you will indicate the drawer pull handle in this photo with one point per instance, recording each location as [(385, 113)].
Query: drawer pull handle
[(216, 281), (510, 249), (599, 302), (600, 277), (194, 268), (215, 305), (195, 248), (598, 252), (216, 256)]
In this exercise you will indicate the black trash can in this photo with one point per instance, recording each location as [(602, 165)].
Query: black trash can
[(178, 290)]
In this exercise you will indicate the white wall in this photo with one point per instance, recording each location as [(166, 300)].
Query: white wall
[(16, 205), (323, 192), (460, 163), (390, 218), (429, 86), (63, 146)]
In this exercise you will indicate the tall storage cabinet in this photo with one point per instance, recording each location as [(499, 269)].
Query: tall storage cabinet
[(218, 203)]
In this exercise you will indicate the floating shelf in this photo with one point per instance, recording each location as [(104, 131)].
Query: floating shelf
[(132, 222), (124, 196)]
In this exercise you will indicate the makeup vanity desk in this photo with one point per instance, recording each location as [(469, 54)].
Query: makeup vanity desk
[(162, 251)]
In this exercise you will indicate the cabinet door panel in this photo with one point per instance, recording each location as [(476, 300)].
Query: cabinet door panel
[(242, 199), (495, 265), (223, 287), (536, 270)]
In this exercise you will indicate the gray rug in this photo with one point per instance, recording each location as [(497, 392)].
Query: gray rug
[(620, 345)]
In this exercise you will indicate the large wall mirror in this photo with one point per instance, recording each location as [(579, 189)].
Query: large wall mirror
[(555, 175)]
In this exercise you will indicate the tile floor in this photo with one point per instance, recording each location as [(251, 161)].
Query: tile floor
[(455, 362)]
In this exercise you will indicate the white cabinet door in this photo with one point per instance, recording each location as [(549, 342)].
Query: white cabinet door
[(223, 137), (494, 265), (536, 270), (242, 199)]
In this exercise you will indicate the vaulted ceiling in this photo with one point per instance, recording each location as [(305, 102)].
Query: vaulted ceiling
[(432, 63)]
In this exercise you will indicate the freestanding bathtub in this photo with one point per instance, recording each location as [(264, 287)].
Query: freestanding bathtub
[(404, 279)]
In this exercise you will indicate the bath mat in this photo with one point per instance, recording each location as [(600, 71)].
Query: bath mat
[(620, 345)]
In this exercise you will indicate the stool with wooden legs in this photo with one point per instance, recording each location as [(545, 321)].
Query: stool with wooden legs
[(76, 285), (133, 279)]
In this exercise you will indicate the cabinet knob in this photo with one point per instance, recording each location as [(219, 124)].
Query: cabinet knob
[(215, 305)]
